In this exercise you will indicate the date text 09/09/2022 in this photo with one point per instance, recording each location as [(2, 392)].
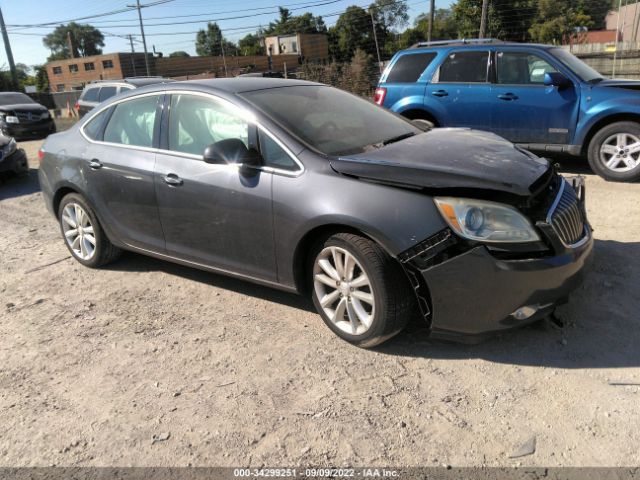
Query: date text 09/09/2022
[(315, 472)]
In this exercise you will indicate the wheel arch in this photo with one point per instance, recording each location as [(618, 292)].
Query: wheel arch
[(420, 113), (603, 122), (311, 238), (60, 193)]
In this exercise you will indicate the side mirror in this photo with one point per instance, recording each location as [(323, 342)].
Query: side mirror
[(556, 79), (231, 150)]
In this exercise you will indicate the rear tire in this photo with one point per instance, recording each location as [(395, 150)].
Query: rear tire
[(82, 233), (614, 152), (361, 292)]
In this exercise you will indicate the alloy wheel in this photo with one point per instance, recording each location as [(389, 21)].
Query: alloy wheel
[(78, 231), (344, 290), (620, 152)]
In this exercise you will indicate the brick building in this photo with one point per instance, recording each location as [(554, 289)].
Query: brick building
[(310, 46), (74, 73)]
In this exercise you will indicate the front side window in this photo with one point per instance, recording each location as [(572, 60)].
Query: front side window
[(90, 95), (107, 92), (577, 66), (132, 122), (521, 68), (196, 122), (273, 155), (329, 120), (408, 68), (464, 67)]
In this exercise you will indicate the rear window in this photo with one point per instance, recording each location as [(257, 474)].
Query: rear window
[(464, 67), (90, 95), (107, 92), (408, 68)]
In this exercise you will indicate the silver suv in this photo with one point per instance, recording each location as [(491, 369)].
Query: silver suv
[(101, 90)]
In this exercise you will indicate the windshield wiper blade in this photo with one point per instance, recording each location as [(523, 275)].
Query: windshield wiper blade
[(398, 138)]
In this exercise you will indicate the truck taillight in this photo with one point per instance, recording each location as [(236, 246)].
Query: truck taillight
[(379, 94), (41, 154), (77, 106)]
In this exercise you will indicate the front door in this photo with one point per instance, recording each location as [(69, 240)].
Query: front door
[(119, 167), (214, 215), (524, 109), (460, 90)]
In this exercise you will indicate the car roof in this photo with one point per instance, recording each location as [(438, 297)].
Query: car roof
[(247, 84), (473, 43)]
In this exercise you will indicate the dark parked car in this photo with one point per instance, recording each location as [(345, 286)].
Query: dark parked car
[(12, 158), (308, 188), (538, 96), (96, 92), (21, 117)]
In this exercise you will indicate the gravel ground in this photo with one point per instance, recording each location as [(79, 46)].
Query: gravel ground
[(151, 364)]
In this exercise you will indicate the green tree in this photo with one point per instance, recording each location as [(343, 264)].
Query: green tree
[(556, 21), (505, 20), (179, 53), (42, 79), (352, 31), (74, 40), (444, 28), (289, 24), (251, 45), (210, 42)]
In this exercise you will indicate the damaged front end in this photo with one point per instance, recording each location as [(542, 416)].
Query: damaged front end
[(467, 289)]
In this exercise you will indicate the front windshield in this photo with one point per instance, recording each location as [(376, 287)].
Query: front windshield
[(14, 98), (332, 121), (577, 66)]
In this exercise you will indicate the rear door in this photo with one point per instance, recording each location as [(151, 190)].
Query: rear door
[(119, 167), (404, 83), (524, 109)]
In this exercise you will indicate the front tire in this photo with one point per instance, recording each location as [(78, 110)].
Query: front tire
[(361, 293), (614, 152), (82, 233)]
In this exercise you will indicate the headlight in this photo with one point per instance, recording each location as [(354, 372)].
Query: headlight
[(486, 221), (44, 116), (11, 119)]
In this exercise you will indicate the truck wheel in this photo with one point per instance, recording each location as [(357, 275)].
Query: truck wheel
[(614, 152)]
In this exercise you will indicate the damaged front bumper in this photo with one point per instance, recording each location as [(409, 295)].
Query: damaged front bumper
[(469, 292)]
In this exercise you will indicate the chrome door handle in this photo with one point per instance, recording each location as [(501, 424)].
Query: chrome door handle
[(95, 164), (508, 96), (173, 179), (440, 93)]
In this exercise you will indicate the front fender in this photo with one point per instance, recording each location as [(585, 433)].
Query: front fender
[(599, 111)]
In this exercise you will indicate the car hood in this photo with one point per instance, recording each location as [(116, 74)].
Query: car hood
[(449, 158), (628, 84), (24, 107)]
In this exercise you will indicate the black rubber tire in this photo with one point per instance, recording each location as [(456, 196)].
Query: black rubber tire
[(594, 152), (106, 252), (395, 301)]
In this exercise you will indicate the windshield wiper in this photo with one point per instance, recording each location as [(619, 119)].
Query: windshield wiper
[(398, 138)]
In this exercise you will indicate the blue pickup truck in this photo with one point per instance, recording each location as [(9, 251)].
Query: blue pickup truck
[(540, 97)]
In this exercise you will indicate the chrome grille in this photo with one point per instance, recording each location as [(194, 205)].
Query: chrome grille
[(566, 215), (26, 117)]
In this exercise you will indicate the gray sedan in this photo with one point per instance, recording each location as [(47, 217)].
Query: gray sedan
[(307, 188)]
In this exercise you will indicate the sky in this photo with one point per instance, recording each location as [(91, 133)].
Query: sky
[(162, 22)]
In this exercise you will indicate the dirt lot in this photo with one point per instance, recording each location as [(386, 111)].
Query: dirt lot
[(149, 363)]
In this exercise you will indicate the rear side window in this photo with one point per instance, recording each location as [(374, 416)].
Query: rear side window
[(132, 122), (107, 92), (408, 68), (90, 95), (464, 67), (93, 128)]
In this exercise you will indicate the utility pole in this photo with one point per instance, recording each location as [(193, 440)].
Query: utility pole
[(133, 55), (144, 40), (615, 52), (224, 61), (7, 47), (432, 13), (483, 19), (375, 38)]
